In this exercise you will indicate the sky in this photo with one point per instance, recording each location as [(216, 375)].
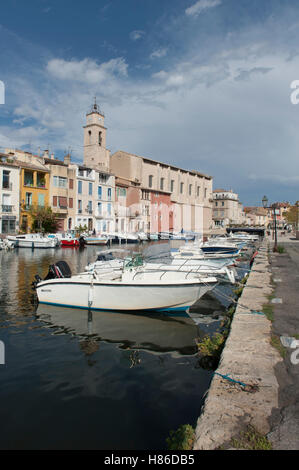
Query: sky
[(201, 84)]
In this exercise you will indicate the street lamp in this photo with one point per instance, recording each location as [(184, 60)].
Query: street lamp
[(265, 202), (273, 206)]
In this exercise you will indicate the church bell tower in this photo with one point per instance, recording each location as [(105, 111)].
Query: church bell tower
[(95, 153)]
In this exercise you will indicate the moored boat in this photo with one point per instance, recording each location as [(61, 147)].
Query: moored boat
[(32, 240), (127, 290)]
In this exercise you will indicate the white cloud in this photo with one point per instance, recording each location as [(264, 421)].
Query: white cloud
[(87, 70), (200, 6), (159, 53), (137, 34)]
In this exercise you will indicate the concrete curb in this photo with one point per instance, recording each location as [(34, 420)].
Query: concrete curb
[(248, 357)]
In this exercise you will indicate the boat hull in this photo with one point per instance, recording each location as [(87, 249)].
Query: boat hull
[(33, 243), (120, 296), (95, 241), (70, 243)]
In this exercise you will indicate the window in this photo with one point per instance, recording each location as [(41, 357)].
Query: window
[(181, 188), (190, 189), (100, 138), (150, 181), (109, 192), (59, 182), (222, 203), (71, 203), (89, 207), (99, 192), (71, 183), (172, 185), (89, 137), (62, 201), (205, 192), (99, 208), (216, 204), (121, 192), (8, 225), (90, 189), (145, 194), (5, 179), (40, 180), (80, 187), (41, 200), (109, 208), (198, 191), (161, 184), (28, 178), (79, 206), (28, 200)]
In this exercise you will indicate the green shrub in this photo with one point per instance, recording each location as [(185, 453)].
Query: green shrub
[(182, 438)]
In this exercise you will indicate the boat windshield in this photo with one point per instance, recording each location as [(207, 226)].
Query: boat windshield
[(133, 262)]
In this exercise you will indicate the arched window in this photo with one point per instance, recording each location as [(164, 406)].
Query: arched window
[(100, 138), (89, 137)]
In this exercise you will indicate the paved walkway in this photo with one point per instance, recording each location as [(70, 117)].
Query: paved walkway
[(284, 421)]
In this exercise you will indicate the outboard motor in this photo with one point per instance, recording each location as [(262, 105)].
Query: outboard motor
[(81, 242), (59, 270)]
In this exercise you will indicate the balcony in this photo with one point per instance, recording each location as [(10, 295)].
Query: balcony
[(7, 208)]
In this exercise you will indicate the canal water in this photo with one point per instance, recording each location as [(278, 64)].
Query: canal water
[(74, 379)]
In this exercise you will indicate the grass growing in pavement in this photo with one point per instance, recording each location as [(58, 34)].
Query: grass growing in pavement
[(276, 343), (251, 439)]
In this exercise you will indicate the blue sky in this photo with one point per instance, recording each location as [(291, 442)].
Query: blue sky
[(200, 84)]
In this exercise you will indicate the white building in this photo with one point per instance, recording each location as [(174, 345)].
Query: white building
[(227, 208), (9, 197)]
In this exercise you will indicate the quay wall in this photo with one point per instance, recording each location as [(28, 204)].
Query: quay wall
[(249, 358)]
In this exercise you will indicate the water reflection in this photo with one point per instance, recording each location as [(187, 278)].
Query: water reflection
[(75, 379), (154, 333)]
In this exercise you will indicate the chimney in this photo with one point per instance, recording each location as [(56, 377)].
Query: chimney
[(67, 159)]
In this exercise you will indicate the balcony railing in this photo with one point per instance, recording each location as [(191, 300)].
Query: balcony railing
[(7, 208)]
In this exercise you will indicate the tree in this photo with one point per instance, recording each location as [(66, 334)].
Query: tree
[(291, 216), (43, 219)]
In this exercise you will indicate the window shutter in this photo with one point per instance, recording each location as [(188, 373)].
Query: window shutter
[(55, 201), (70, 202), (62, 201)]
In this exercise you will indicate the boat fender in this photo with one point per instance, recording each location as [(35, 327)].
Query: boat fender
[(90, 295)]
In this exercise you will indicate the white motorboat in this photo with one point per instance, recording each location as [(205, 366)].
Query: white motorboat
[(6, 244), (127, 238), (32, 240), (154, 236), (195, 256), (142, 236), (127, 290), (95, 239)]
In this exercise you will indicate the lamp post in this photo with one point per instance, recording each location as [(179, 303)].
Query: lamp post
[(273, 207)]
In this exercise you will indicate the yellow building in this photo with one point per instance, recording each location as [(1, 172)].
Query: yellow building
[(34, 184), (34, 191)]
